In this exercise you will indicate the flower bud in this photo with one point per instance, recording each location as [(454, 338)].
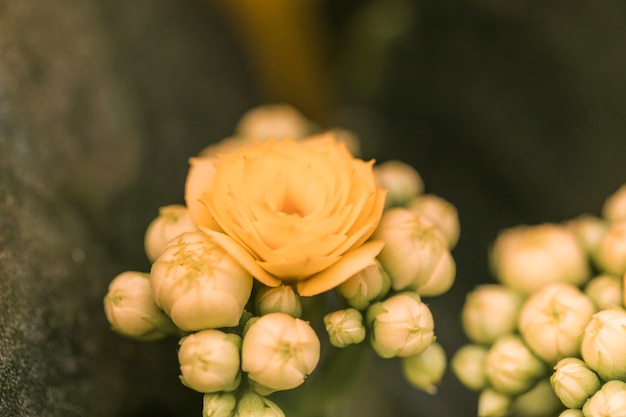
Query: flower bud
[(511, 367), (218, 404), (440, 212), (611, 253), (365, 286), (572, 412), (130, 310), (252, 404), (349, 138), (281, 299), (344, 327), (605, 291), (539, 401), (401, 180), (528, 257), (172, 221), (603, 343), (490, 311), (198, 284), (273, 121), (552, 321), (209, 361), (589, 231), (468, 364), (415, 254), (614, 208), (573, 382), (609, 401), (425, 370), (279, 351), (401, 325), (492, 403)]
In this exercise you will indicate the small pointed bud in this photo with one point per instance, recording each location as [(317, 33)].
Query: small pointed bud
[(589, 231), (425, 370), (281, 299), (368, 285), (273, 121), (511, 366), (603, 343), (401, 325), (609, 401), (611, 253), (492, 403), (252, 404), (468, 364), (539, 401), (209, 361), (172, 221), (344, 327), (130, 310), (441, 212), (573, 382), (490, 311), (416, 254), (553, 319), (605, 291), (198, 284), (401, 180), (218, 404), (529, 257), (614, 208), (279, 351), (572, 412)]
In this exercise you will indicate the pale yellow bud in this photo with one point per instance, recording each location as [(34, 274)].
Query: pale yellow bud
[(365, 286), (344, 327), (605, 291), (552, 321), (609, 401), (281, 299), (401, 325), (511, 366), (603, 343), (416, 253), (209, 361), (425, 370), (611, 253), (573, 382), (492, 403), (130, 310), (468, 364), (172, 221), (441, 212), (614, 208), (589, 231), (198, 284), (572, 412), (539, 401), (401, 181), (279, 351), (218, 404), (529, 257), (273, 121), (252, 404), (490, 311)]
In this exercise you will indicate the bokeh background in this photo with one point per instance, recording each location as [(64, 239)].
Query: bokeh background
[(513, 111)]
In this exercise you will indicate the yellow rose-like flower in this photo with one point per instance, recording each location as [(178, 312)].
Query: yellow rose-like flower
[(290, 212)]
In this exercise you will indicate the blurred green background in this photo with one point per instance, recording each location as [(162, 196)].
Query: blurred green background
[(513, 111)]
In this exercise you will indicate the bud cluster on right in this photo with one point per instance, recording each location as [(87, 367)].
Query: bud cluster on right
[(549, 337)]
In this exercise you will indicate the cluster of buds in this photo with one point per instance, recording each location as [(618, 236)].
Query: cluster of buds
[(241, 340), (553, 327)]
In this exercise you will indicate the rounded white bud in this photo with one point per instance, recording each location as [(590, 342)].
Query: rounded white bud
[(172, 221), (589, 231), (279, 351), (401, 181), (273, 121), (552, 321), (130, 310), (573, 382), (609, 401), (605, 291), (209, 361), (492, 403), (529, 257), (441, 212), (611, 253), (198, 284), (468, 364), (281, 299), (511, 366), (344, 327), (218, 404), (603, 343), (490, 311), (425, 370), (401, 325), (365, 286), (252, 404), (614, 207)]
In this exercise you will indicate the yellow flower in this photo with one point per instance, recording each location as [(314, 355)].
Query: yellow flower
[(290, 212)]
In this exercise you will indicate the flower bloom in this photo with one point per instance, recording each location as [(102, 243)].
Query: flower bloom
[(290, 212)]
